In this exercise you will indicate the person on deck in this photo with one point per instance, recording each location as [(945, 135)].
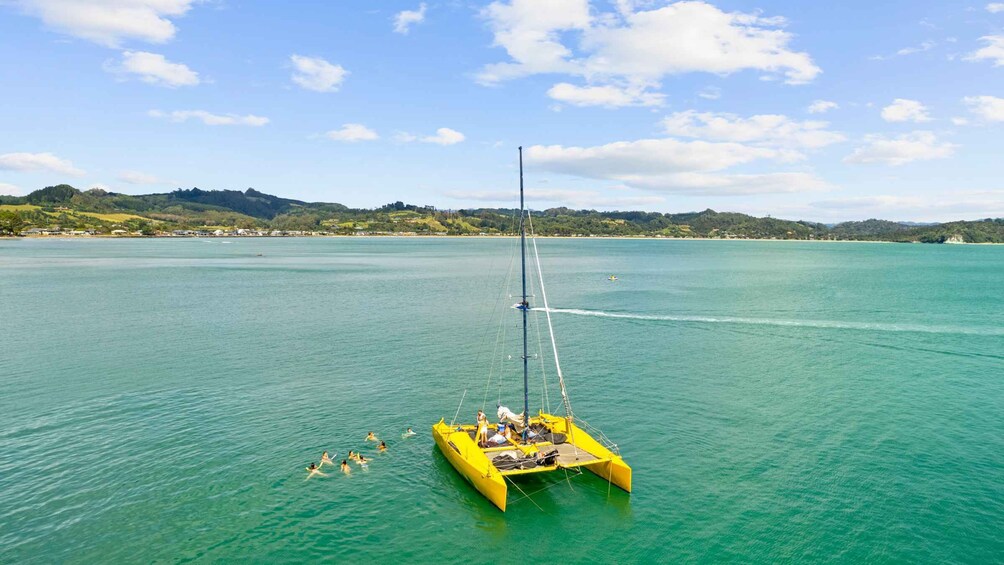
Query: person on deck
[(482, 433), (502, 435)]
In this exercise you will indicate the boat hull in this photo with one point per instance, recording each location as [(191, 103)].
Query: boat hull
[(467, 458), (612, 468), (579, 450)]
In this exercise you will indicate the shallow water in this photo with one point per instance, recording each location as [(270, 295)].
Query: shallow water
[(777, 400)]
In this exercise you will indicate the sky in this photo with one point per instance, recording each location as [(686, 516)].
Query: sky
[(801, 110)]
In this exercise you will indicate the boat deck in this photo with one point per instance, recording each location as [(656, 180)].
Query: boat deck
[(568, 456)]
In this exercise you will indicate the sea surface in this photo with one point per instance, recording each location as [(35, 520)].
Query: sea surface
[(778, 401)]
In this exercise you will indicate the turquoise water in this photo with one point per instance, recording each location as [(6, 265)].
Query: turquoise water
[(778, 401)]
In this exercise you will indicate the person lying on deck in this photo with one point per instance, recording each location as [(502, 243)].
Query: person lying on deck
[(502, 435)]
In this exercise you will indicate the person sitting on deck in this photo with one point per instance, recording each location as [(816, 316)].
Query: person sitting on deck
[(371, 437), (502, 435)]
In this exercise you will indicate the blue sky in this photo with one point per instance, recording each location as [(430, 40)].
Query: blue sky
[(800, 110)]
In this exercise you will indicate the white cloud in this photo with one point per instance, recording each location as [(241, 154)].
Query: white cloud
[(314, 73), (608, 96), (407, 18), (960, 121), (674, 166), (995, 7), (925, 46), (38, 162), (136, 177), (561, 197), (110, 22), (766, 129), (710, 93), (992, 51), (444, 136), (952, 205), (903, 110), (637, 47), (822, 106), (990, 108), (10, 189), (153, 68), (906, 148), (352, 133), (210, 119)]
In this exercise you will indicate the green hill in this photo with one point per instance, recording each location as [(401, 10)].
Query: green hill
[(195, 209)]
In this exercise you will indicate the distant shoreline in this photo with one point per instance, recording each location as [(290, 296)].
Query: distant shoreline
[(424, 236)]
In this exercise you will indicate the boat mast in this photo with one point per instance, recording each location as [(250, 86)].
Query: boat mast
[(524, 306)]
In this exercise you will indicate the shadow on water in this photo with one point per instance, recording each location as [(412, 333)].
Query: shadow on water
[(547, 493), (487, 516)]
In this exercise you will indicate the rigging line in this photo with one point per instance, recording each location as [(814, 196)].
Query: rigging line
[(454, 421), (569, 417), (546, 401), (491, 313), (526, 496), (500, 335), (540, 490)]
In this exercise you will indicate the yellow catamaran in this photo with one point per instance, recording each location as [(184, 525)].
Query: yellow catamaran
[(519, 445)]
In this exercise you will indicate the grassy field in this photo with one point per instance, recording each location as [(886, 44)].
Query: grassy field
[(19, 207), (112, 217)]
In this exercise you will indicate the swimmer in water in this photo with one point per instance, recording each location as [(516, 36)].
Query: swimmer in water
[(353, 456), (314, 470), (371, 437), (363, 462), (326, 459), (408, 433), (345, 467), (383, 447)]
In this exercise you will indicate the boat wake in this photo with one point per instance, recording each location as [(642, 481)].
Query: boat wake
[(822, 324)]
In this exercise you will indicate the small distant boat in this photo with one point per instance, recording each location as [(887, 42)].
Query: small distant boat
[(612, 278), (544, 443)]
